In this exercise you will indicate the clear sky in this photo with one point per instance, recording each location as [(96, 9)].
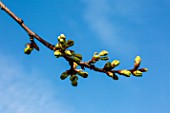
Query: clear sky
[(125, 28)]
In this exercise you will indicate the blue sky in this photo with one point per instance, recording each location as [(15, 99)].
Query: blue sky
[(125, 28)]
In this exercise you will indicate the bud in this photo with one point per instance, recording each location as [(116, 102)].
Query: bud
[(78, 56), (103, 53), (69, 43), (126, 73), (95, 58), (137, 61), (74, 83), (64, 75), (104, 58), (76, 59), (62, 39), (58, 46), (107, 66), (75, 65), (115, 63), (73, 77), (83, 74), (137, 73), (28, 49), (143, 69), (68, 52), (57, 53), (110, 74)]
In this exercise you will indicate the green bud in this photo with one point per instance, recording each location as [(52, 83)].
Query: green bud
[(137, 73), (78, 56), (76, 59), (104, 58), (64, 75), (103, 53), (57, 53), (68, 52), (28, 49), (69, 43), (74, 83), (83, 74), (115, 63), (126, 73), (108, 66), (73, 77)]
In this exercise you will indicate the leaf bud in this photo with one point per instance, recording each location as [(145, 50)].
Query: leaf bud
[(69, 43), (28, 49), (126, 73), (137, 61), (73, 77), (76, 59), (64, 75), (57, 53), (108, 66), (143, 69), (83, 74), (137, 73), (74, 83), (103, 53), (78, 56), (115, 63), (68, 52)]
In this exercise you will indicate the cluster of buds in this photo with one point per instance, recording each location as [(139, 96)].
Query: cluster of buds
[(62, 46), (100, 56), (73, 75)]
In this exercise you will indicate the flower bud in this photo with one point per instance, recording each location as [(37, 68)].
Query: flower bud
[(62, 36), (126, 73), (74, 83), (96, 58), (107, 66), (83, 74), (137, 73), (103, 53), (57, 53), (58, 46), (143, 69), (78, 56), (64, 75), (76, 59), (73, 77), (68, 52), (28, 49), (137, 61), (115, 63)]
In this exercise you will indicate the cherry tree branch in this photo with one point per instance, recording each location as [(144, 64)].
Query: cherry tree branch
[(74, 59)]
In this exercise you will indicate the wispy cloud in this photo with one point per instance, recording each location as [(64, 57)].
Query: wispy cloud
[(25, 92), (98, 14)]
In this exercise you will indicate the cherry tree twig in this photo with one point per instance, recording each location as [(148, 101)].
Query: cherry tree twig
[(61, 50)]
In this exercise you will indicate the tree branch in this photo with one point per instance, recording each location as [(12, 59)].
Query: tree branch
[(74, 60)]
